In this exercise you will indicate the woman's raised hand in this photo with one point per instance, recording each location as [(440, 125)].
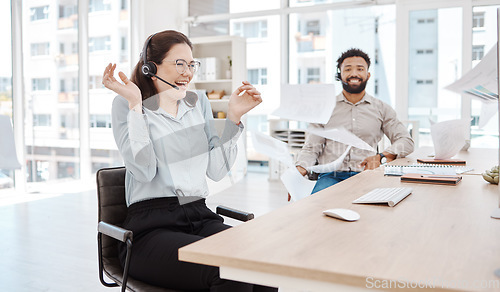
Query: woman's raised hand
[(243, 99), (127, 89)]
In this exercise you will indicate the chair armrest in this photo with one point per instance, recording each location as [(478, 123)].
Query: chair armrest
[(114, 231), (234, 213)]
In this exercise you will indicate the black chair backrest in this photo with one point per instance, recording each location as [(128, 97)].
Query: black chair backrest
[(112, 204)]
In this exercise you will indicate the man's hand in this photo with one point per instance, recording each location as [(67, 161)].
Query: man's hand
[(302, 171), (371, 162)]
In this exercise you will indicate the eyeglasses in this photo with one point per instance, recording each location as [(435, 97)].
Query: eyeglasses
[(182, 65)]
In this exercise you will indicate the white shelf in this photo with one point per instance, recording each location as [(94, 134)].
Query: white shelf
[(221, 47)]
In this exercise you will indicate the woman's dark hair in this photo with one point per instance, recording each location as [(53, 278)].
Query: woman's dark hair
[(156, 51), (353, 52)]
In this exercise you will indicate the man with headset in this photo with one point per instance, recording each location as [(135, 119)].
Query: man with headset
[(363, 115)]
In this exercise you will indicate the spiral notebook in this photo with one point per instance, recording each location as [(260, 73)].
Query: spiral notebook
[(399, 170)]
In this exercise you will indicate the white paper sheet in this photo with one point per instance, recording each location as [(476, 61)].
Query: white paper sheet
[(488, 110), (272, 147), (342, 136), (480, 82), (312, 103), (298, 186), (449, 137), (329, 167)]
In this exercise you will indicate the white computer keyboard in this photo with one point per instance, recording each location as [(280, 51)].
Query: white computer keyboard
[(390, 196)]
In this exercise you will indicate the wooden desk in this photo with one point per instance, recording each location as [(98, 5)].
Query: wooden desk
[(480, 159), (439, 237)]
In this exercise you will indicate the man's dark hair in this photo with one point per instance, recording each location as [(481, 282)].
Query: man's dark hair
[(352, 52)]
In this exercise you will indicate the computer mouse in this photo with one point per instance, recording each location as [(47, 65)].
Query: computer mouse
[(343, 214)]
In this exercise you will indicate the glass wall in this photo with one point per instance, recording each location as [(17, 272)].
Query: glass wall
[(435, 61), (484, 127), (109, 39), (50, 55), (52, 89), (318, 39), (6, 176), (318, 31)]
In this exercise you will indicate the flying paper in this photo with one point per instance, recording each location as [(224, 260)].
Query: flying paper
[(298, 186), (272, 147), (449, 137), (342, 136), (312, 103), (329, 167)]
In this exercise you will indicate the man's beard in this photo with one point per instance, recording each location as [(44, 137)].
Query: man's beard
[(357, 89)]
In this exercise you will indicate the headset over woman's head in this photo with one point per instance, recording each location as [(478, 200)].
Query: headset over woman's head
[(155, 49)]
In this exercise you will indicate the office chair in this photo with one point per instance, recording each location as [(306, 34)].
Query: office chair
[(111, 214)]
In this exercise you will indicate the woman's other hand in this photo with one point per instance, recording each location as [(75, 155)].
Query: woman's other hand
[(127, 89), (243, 99)]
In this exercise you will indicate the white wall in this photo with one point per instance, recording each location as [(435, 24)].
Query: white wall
[(153, 16)]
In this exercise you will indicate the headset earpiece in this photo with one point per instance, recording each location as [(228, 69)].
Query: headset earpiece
[(338, 77), (149, 69)]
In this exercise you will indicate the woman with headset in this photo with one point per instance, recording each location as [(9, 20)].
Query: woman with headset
[(166, 137)]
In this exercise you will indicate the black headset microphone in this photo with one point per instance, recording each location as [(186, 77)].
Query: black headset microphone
[(149, 68), (338, 77)]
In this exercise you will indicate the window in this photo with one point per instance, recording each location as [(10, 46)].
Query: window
[(123, 43), (5, 87), (99, 44), (257, 76), (425, 20), (484, 129), (207, 7), (99, 5), (67, 10), (95, 82), (253, 29), (313, 75), (40, 84), (477, 52), (62, 85), (478, 19), (439, 51), (74, 84), (39, 13), (100, 121), (313, 27), (74, 48), (427, 51), (124, 5), (40, 49), (41, 120)]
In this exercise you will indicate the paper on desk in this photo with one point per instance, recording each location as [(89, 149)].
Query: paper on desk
[(272, 147), (329, 167), (312, 103), (480, 82), (298, 186), (342, 136), (488, 110), (449, 137)]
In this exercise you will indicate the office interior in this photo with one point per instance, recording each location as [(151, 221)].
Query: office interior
[(54, 53)]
